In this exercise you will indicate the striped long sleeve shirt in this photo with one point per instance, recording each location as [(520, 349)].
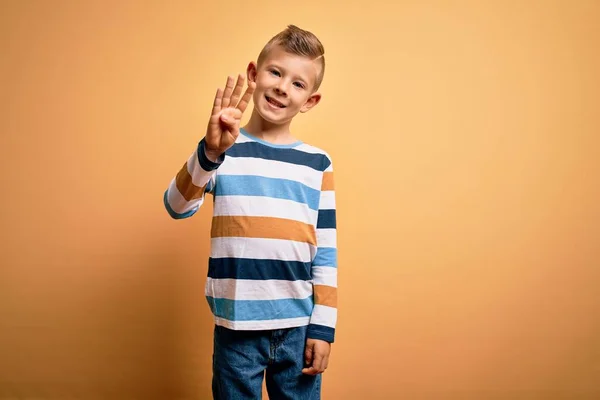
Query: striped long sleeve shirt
[(273, 256)]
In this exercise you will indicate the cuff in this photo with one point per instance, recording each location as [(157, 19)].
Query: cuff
[(205, 163), (320, 332)]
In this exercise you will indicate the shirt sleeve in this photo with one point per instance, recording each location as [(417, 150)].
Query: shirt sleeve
[(324, 265), (186, 192)]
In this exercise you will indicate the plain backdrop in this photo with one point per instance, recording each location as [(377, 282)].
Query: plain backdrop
[(464, 136)]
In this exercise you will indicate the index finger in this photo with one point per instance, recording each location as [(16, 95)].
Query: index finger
[(237, 91), (310, 371), (227, 93), (218, 101), (247, 96), (317, 364)]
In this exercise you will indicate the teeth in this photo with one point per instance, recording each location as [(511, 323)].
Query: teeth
[(275, 102)]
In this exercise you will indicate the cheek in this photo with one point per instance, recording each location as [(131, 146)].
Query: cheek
[(262, 85), (257, 96), (299, 100), (264, 78)]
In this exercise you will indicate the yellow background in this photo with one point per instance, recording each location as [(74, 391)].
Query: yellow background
[(464, 136)]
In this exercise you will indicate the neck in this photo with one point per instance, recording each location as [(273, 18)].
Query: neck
[(274, 133)]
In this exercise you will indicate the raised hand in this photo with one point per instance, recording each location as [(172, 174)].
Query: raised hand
[(224, 124)]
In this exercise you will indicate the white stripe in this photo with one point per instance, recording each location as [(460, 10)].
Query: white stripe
[(307, 148), (257, 206), (327, 237), (262, 325), (178, 203), (248, 289), (199, 176), (327, 200), (324, 276), (324, 315), (272, 169), (243, 138), (258, 248)]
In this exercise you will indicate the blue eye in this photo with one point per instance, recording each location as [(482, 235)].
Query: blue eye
[(274, 72), (298, 84)]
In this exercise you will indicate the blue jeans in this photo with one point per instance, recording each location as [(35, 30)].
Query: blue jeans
[(240, 359)]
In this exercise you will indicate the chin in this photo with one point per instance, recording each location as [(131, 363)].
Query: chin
[(274, 121)]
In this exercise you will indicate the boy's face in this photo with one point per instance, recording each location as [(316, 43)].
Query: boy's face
[(284, 85)]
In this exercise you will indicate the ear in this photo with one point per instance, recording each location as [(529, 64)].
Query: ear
[(312, 101), (251, 71)]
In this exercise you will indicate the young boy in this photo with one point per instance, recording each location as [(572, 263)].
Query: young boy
[(272, 273)]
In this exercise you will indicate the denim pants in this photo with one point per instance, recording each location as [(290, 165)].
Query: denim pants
[(240, 359)]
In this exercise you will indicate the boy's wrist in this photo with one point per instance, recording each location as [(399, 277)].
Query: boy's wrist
[(321, 332), (212, 155), (209, 159)]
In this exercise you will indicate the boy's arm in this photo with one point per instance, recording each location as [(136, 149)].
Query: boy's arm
[(187, 189), (324, 266)]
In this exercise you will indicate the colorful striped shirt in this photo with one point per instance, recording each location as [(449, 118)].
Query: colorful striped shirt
[(273, 256)]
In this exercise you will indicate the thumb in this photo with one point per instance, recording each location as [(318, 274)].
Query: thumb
[(230, 123), (231, 115), (227, 119)]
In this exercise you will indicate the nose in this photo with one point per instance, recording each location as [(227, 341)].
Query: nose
[(281, 88)]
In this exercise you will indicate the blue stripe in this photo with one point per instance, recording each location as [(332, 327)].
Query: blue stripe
[(319, 162), (204, 162), (258, 310), (250, 185), (172, 212), (246, 268), (209, 186), (326, 257), (326, 219), (321, 332)]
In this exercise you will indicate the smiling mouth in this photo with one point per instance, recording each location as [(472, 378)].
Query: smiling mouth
[(274, 102)]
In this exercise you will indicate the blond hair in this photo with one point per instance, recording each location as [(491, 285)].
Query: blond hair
[(299, 42)]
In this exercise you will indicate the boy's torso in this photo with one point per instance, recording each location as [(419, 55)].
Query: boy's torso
[(263, 236)]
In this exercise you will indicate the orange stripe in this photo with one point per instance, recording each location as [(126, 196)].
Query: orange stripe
[(327, 183), (325, 295), (186, 187), (263, 227)]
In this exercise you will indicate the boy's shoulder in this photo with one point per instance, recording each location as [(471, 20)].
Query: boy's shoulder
[(317, 152)]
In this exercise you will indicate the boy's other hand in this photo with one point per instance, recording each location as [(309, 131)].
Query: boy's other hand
[(316, 356), (228, 108)]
